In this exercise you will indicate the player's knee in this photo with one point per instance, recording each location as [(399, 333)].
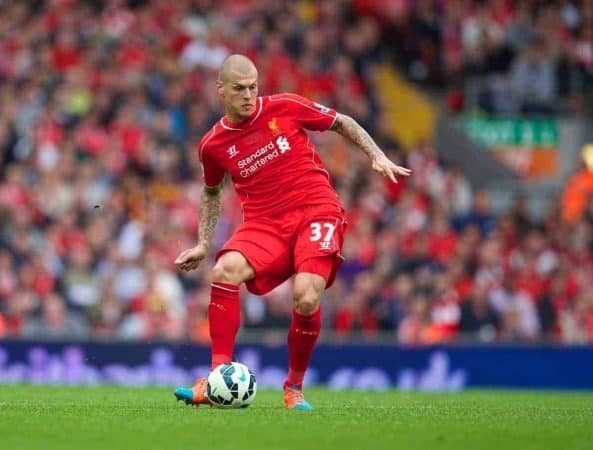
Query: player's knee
[(306, 301), (231, 268), (226, 273)]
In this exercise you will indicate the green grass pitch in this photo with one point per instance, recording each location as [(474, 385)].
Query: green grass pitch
[(63, 418)]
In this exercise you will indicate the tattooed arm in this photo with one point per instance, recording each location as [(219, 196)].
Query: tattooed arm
[(350, 129), (210, 207)]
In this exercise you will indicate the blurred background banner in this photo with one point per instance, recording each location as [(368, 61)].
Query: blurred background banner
[(528, 146), (375, 367)]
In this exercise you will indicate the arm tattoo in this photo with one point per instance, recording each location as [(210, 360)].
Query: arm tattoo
[(210, 207), (350, 129)]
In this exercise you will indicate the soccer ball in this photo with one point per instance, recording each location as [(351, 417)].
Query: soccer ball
[(231, 385)]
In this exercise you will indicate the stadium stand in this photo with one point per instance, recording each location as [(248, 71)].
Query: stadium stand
[(102, 104)]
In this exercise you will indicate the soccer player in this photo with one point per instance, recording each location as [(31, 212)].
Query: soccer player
[(293, 220)]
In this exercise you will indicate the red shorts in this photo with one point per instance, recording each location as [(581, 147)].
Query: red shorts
[(307, 239)]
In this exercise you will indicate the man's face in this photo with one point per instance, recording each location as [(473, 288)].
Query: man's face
[(239, 94)]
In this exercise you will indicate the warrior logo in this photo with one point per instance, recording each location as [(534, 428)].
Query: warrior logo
[(232, 151)]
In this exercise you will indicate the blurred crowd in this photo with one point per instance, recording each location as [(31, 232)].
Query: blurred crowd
[(497, 56), (102, 104)]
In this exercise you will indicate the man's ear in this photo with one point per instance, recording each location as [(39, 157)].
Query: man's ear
[(220, 88)]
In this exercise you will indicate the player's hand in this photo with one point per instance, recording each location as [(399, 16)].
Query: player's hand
[(386, 167), (191, 258)]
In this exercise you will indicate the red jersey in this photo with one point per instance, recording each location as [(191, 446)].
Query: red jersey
[(273, 163)]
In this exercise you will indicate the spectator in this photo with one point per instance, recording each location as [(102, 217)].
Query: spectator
[(478, 318), (578, 188), (56, 322), (533, 80), (480, 215), (413, 329)]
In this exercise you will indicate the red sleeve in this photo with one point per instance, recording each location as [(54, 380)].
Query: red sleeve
[(213, 172), (311, 115)]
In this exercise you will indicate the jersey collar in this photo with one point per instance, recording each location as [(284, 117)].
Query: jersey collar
[(238, 126)]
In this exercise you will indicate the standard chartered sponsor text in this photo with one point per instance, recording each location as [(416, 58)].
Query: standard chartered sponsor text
[(257, 159)]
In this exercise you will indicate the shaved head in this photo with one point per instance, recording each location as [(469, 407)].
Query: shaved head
[(237, 86), (235, 67)]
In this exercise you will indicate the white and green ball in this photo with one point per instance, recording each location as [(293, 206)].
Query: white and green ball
[(231, 385)]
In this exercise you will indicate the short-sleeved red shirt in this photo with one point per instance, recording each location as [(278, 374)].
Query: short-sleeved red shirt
[(273, 163)]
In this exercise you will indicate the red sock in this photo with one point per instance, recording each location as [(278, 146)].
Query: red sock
[(302, 336), (224, 318)]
